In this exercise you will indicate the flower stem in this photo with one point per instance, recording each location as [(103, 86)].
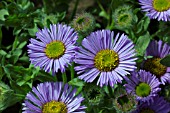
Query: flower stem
[(74, 10), (64, 77), (72, 71), (103, 10)]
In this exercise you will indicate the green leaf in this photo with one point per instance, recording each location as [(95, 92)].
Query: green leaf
[(76, 82), (3, 12), (140, 26), (24, 59), (143, 24), (142, 44), (146, 23), (17, 30), (1, 72), (24, 89), (15, 55), (32, 31), (43, 77), (104, 14), (166, 61), (15, 43), (2, 52), (7, 96), (0, 37), (22, 44)]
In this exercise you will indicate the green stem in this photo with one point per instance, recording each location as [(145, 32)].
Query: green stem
[(153, 35), (19, 95), (64, 77), (0, 37), (110, 15), (101, 7), (74, 10), (72, 71)]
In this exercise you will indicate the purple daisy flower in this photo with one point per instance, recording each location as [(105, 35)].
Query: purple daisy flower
[(54, 48), (156, 9), (158, 50), (159, 105), (106, 57), (53, 97), (143, 85)]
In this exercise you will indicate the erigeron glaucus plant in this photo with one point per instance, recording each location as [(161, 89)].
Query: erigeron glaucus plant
[(112, 58)]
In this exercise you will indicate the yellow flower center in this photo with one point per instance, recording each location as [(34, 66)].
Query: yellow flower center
[(55, 49), (54, 107), (106, 60), (161, 5), (154, 66)]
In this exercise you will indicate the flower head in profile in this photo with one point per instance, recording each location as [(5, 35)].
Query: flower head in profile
[(143, 85), (54, 48), (53, 97), (158, 50), (105, 57), (156, 9), (159, 105)]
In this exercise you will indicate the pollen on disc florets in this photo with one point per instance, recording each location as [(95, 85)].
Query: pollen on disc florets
[(54, 107), (154, 66), (55, 49), (106, 60), (161, 5)]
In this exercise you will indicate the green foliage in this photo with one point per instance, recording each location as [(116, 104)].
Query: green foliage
[(52, 6), (142, 43), (77, 83), (3, 12), (165, 61), (8, 97)]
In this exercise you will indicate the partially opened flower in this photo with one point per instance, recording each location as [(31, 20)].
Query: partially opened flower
[(83, 23), (158, 50), (143, 85), (159, 105), (156, 9), (123, 17), (105, 57), (123, 102), (54, 48), (53, 97), (93, 94)]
